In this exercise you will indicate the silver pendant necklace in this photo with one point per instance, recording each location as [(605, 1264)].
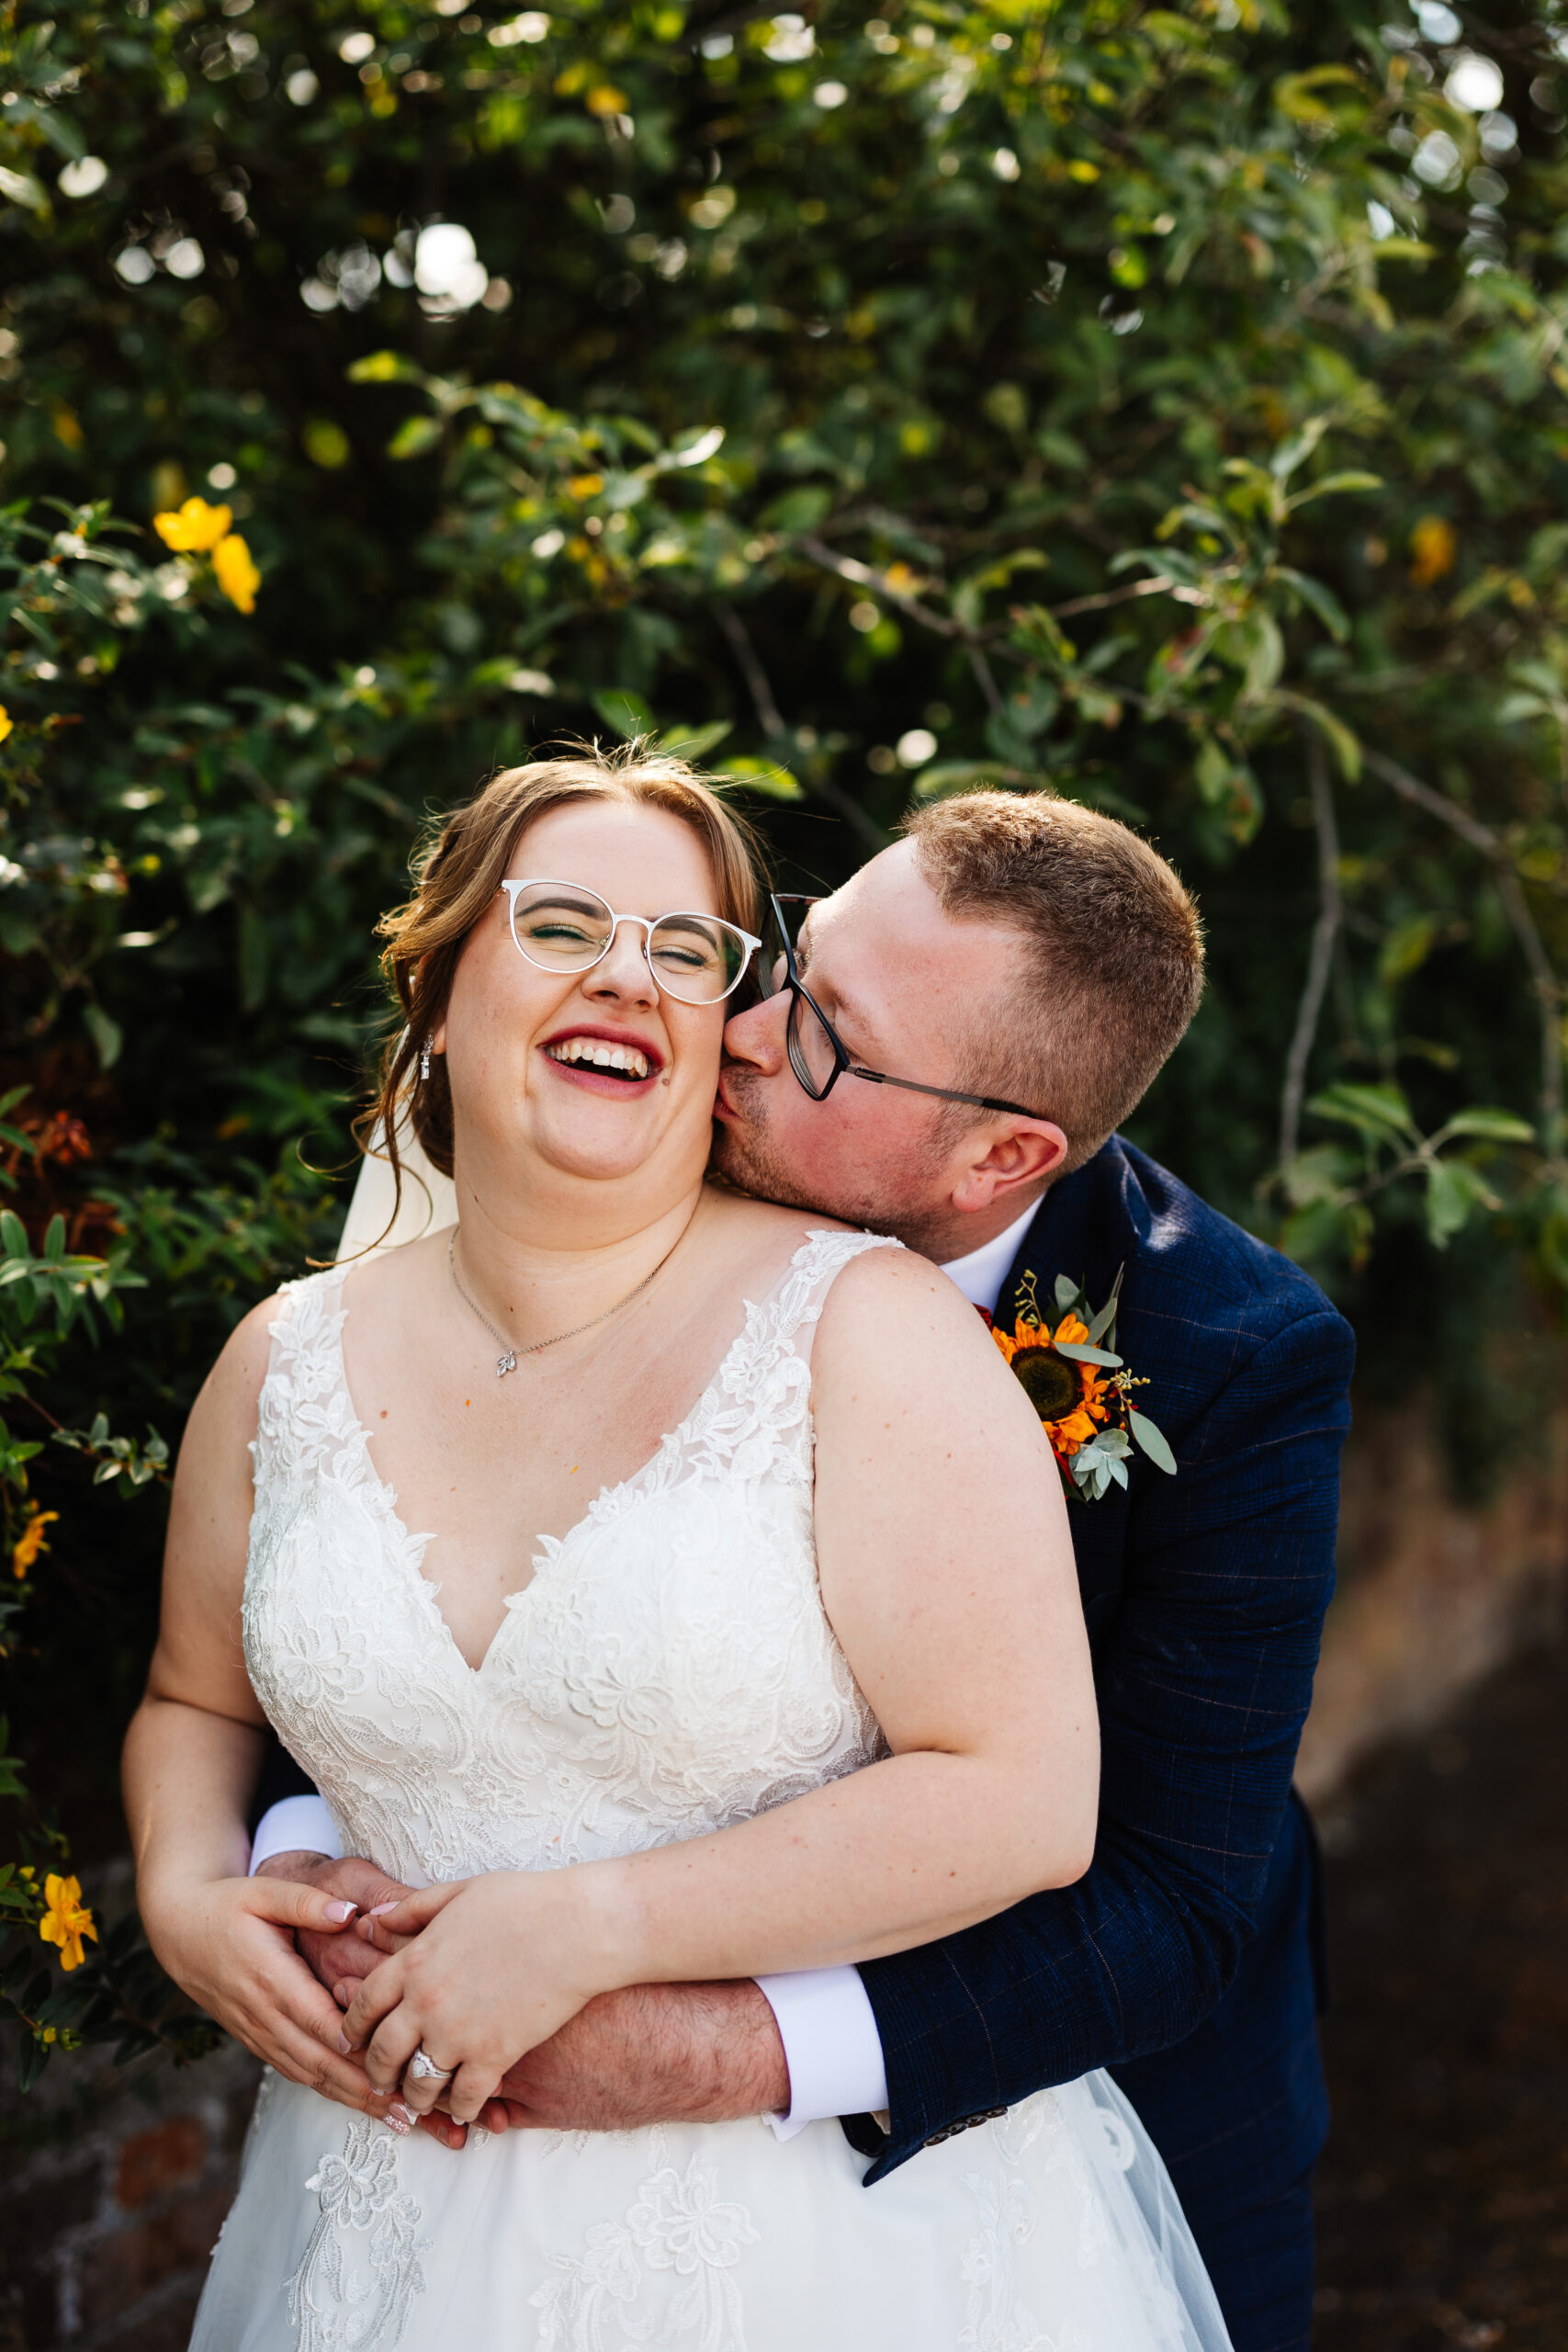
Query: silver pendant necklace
[(507, 1360)]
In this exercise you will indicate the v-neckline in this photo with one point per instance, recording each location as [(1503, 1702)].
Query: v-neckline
[(410, 1548)]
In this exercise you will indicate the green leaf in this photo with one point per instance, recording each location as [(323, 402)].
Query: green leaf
[(1321, 600), (1081, 1354), (765, 776), (1325, 1229), (626, 712), (22, 188), (1497, 1126), (1101, 1323), (1153, 1442), (1349, 480), (385, 367), (414, 436), (106, 1034), (692, 742), (1406, 948), (1454, 1191), (32, 2057), (1341, 741), (1379, 1111)]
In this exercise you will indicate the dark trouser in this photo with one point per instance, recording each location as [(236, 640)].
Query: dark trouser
[(1262, 2264)]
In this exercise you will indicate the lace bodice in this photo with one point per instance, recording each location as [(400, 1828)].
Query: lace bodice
[(669, 1670)]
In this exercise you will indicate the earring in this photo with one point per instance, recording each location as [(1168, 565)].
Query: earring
[(424, 1059)]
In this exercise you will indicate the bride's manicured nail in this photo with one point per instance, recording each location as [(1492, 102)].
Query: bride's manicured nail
[(338, 1911), (399, 2120), (379, 1910)]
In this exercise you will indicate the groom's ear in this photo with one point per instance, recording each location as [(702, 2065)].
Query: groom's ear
[(1004, 1158)]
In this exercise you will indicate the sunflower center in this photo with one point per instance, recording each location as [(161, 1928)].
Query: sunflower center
[(1050, 1383)]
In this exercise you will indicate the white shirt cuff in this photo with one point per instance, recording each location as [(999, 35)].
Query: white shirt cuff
[(831, 2046), (294, 1825)]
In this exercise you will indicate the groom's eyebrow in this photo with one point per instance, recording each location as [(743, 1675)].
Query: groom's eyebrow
[(847, 1012)]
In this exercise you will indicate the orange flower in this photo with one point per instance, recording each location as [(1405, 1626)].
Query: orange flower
[(1050, 1382), (1071, 1431), (1075, 1333), (31, 1541), (67, 1919), (1432, 550)]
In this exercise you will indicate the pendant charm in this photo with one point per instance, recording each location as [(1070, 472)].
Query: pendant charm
[(504, 1365)]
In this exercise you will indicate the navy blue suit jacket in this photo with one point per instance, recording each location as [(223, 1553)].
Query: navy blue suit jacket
[(1184, 1959)]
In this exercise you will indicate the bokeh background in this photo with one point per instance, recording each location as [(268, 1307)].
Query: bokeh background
[(1164, 407)]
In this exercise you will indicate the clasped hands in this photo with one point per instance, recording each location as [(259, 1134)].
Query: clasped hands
[(463, 1971)]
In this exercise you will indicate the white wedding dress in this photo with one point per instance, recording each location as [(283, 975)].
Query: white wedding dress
[(669, 1670)]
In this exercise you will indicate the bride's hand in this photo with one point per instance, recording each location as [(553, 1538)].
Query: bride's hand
[(228, 1943), (494, 1966)]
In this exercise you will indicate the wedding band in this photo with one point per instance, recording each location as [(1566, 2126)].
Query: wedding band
[(424, 2066)]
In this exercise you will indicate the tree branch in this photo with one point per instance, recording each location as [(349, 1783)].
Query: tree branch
[(1158, 586), (770, 721), (751, 669), (1326, 930), (861, 575), (1549, 988)]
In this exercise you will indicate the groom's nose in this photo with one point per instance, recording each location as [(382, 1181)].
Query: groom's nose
[(756, 1036)]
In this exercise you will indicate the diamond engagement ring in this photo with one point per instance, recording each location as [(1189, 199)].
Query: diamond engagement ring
[(424, 2067)]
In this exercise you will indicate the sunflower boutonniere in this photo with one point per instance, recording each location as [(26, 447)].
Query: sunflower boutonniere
[(1080, 1387)]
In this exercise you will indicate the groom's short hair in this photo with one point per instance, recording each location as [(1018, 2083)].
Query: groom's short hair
[(1112, 966)]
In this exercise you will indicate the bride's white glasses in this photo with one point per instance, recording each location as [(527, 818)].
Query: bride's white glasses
[(562, 927)]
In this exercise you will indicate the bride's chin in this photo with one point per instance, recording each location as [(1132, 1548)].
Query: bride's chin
[(595, 1152)]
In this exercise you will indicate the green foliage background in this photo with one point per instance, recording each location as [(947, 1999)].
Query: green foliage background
[(1163, 405)]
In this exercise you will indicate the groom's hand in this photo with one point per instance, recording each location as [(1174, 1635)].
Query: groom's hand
[(337, 1960), (652, 2053)]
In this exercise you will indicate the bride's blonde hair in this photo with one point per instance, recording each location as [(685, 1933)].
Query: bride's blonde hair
[(459, 872)]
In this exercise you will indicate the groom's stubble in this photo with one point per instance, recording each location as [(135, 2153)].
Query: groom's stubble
[(904, 1200)]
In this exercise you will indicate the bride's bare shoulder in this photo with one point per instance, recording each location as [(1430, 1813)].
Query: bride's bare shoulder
[(759, 1230), (896, 1295)]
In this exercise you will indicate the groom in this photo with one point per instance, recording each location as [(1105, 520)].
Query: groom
[(1023, 949)]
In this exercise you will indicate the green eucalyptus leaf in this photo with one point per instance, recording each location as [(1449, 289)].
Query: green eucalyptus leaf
[(1151, 1441)]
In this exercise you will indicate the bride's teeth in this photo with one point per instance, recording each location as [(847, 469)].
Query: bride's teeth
[(600, 1056)]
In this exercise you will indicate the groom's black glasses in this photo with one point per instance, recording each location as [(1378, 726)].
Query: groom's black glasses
[(816, 1054)]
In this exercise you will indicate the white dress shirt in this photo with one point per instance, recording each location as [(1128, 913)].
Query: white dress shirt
[(824, 2014)]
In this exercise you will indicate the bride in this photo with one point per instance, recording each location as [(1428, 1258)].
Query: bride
[(672, 1588)]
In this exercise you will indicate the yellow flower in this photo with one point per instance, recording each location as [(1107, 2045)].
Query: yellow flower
[(585, 485), (195, 528), (1432, 550), (1071, 1329), (7, 722), (606, 99), (237, 575), (31, 1543), (67, 1919)]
